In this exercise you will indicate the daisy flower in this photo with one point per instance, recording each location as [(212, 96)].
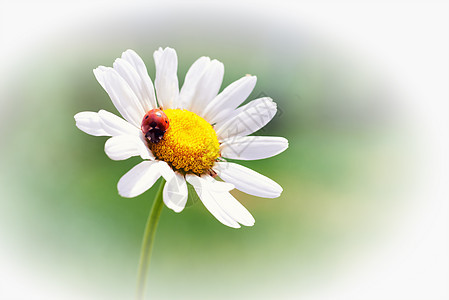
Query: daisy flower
[(204, 128)]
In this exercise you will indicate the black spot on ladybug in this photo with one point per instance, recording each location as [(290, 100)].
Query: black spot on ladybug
[(146, 117), (153, 124), (166, 121)]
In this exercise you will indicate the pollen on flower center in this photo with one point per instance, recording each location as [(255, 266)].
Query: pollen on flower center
[(190, 144)]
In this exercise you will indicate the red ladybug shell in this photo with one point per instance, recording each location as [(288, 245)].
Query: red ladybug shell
[(154, 124)]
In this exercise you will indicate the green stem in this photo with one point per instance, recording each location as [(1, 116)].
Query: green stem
[(147, 242)]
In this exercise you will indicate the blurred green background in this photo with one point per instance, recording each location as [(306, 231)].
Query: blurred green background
[(65, 226)]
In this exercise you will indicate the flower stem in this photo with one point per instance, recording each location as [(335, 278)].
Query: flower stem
[(147, 242)]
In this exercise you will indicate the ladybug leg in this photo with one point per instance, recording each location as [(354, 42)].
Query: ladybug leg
[(212, 173)]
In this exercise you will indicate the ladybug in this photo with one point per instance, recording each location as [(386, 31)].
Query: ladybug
[(154, 124)]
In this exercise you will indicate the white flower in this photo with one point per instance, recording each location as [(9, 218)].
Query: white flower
[(205, 127)]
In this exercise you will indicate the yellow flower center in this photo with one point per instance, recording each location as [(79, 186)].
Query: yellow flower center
[(190, 144)]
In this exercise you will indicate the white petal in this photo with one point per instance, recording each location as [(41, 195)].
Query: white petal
[(166, 81), (260, 103), (99, 75), (139, 179), (121, 147), (252, 147), (213, 185), (165, 170), (234, 209), (175, 191), (114, 125), (248, 119), (190, 82), (132, 78), (90, 123), (104, 123), (125, 146), (209, 199), (232, 96), (206, 88), (247, 180), (157, 55), (147, 85), (121, 95)]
